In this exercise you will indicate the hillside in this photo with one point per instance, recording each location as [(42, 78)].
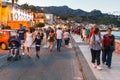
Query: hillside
[(95, 16)]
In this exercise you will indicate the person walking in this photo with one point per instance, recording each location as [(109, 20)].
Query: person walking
[(84, 34), (92, 30), (21, 33), (41, 34), (66, 36), (47, 32), (108, 48), (51, 39), (95, 44), (28, 41), (37, 42), (59, 35), (90, 35)]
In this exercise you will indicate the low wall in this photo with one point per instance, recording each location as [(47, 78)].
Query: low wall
[(117, 46)]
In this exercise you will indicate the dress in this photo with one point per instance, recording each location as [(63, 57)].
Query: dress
[(29, 40), (52, 37)]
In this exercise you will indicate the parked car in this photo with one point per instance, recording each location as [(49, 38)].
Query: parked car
[(6, 36)]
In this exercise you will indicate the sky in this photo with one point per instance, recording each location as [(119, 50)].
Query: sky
[(106, 6)]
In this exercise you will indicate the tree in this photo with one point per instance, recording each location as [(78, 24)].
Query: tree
[(13, 1), (33, 8), (25, 6), (39, 25)]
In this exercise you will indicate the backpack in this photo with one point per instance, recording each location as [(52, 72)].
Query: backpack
[(95, 39)]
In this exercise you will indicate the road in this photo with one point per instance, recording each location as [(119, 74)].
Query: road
[(51, 66)]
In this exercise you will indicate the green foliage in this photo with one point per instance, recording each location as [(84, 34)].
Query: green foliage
[(65, 13), (98, 20), (39, 25), (32, 29), (33, 8), (25, 6)]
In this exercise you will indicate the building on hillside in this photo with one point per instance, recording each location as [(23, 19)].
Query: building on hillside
[(39, 18), (43, 18)]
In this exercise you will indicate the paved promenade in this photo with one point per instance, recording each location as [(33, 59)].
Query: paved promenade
[(105, 73)]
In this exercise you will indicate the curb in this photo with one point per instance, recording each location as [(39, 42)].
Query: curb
[(84, 67)]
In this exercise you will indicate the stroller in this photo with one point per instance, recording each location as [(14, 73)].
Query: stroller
[(14, 46)]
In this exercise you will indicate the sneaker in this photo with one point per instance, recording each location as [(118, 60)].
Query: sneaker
[(99, 68), (109, 67), (37, 56), (23, 54), (94, 66), (29, 57)]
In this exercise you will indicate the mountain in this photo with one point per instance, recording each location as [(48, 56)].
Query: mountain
[(65, 10), (78, 15)]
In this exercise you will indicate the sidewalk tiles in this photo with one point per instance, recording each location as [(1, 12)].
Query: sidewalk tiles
[(105, 73)]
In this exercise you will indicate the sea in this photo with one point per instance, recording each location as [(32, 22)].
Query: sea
[(115, 33)]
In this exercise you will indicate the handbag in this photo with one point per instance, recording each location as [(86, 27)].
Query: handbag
[(112, 48)]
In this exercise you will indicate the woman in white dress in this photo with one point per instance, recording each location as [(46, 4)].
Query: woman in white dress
[(28, 41), (84, 34)]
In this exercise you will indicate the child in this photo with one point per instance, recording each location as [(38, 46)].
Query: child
[(13, 49), (37, 42)]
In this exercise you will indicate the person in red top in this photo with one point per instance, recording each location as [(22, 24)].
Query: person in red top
[(92, 30)]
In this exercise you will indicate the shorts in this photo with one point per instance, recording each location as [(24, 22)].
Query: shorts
[(37, 48)]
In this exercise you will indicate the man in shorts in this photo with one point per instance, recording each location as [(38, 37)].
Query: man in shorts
[(21, 34)]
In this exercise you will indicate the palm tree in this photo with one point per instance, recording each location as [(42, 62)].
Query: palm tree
[(25, 6), (13, 1)]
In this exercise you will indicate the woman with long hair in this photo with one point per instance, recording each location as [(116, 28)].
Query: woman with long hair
[(96, 46), (51, 39)]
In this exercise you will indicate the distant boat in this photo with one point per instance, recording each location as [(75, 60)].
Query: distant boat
[(103, 29), (115, 29)]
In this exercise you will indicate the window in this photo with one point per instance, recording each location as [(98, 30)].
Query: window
[(13, 33)]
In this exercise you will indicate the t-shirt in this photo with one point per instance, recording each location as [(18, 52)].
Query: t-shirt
[(88, 32), (108, 40), (21, 34), (96, 42), (66, 35), (37, 41), (47, 32), (59, 34), (91, 33)]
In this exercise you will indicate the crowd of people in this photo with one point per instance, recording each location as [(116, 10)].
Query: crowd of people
[(104, 44), (29, 37)]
